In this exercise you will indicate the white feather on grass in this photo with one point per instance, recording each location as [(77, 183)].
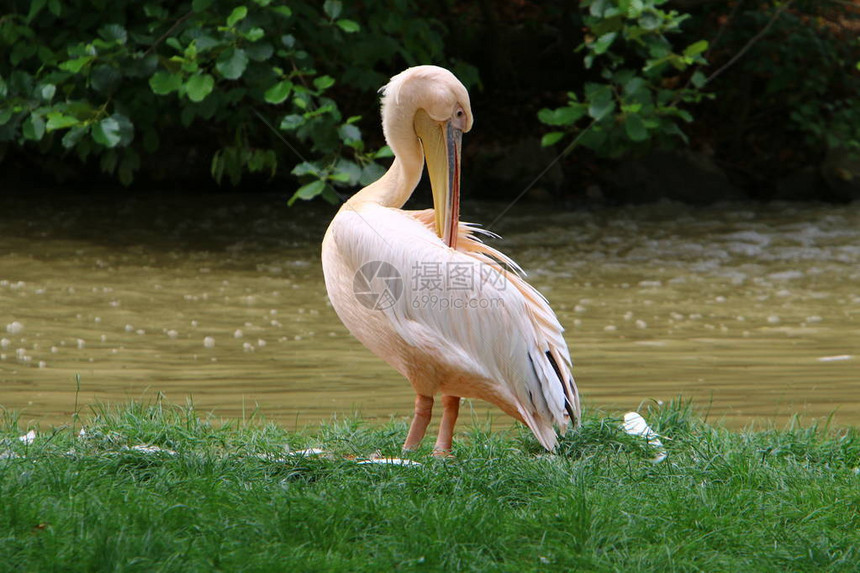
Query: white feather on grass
[(635, 425), (308, 452), (389, 461)]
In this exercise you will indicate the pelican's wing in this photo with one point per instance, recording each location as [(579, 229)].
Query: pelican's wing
[(477, 320), (547, 329)]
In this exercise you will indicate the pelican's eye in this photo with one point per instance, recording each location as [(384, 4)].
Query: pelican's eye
[(459, 119)]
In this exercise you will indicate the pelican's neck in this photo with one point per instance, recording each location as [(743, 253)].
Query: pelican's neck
[(396, 185)]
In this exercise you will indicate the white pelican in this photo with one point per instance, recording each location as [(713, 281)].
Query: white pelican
[(422, 292)]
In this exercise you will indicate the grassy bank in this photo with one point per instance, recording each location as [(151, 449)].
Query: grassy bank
[(204, 496)]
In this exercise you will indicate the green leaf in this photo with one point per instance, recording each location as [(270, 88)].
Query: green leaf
[(260, 52), (649, 21), (593, 138), (551, 138), (254, 34), (186, 116), (695, 48), (237, 15), (383, 152), (348, 26), (278, 92), (349, 133), (685, 115), (75, 65), (33, 128), (633, 86), (126, 129), (54, 7), (673, 129), (20, 52), (35, 7), (588, 60), (47, 91), (635, 128), (308, 191), (611, 12), (602, 104), (175, 44), (597, 8), (152, 10), (3, 88), (108, 161), (105, 78), (127, 166), (699, 79), (346, 171), (323, 82), (331, 196), (57, 120), (199, 86), (305, 168), (232, 63), (332, 8), (291, 122), (563, 115), (74, 135), (204, 43), (603, 43), (283, 11), (141, 66), (162, 83), (259, 160), (5, 115), (114, 33), (217, 167), (370, 173), (201, 5), (634, 9), (107, 132), (271, 161), (21, 82), (339, 177)]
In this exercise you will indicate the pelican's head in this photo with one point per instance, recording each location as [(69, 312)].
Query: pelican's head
[(440, 113)]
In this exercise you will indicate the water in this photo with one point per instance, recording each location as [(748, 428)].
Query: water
[(752, 311)]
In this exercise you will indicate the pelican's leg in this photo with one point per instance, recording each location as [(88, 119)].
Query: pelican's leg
[(423, 412), (446, 427)]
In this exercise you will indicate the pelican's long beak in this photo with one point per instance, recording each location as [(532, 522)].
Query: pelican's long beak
[(442, 142)]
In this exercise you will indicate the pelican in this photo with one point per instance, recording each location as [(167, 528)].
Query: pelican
[(424, 293)]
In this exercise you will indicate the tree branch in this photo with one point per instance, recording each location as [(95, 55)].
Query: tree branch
[(750, 44), (169, 31)]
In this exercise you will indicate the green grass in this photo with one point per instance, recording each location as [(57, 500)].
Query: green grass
[(229, 499)]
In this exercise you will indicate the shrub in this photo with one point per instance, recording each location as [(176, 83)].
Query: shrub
[(113, 81)]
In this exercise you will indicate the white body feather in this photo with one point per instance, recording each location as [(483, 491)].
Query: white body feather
[(489, 342)]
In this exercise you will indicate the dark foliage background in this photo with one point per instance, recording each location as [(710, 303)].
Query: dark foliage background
[(697, 100)]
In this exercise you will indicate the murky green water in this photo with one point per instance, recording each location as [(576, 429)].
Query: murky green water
[(753, 311)]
